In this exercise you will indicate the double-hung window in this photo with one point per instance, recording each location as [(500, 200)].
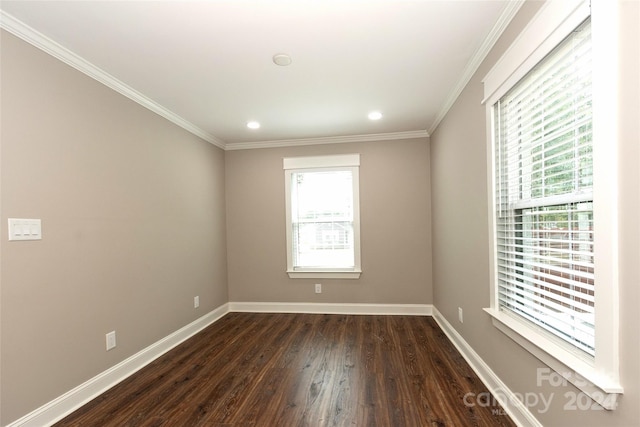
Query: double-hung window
[(322, 216), (544, 194), (546, 227)]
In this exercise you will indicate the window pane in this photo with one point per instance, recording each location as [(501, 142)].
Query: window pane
[(544, 125), (322, 219), (546, 270)]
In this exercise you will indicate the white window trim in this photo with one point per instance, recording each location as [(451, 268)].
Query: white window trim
[(597, 377), (351, 161)]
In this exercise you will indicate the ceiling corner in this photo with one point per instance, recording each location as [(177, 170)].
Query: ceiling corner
[(510, 10)]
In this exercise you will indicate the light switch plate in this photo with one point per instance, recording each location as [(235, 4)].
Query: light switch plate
[(25, 229)]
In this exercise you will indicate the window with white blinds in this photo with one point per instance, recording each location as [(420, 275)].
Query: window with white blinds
[(322, 216), (544, 195)]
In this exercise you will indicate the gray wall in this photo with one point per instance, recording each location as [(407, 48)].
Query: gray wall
[(460, 235), (394, 216), (132, 211)]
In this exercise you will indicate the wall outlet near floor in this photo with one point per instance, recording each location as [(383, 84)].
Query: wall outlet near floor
[(111, 340), (196, 302), (318, 288), (460, 318)]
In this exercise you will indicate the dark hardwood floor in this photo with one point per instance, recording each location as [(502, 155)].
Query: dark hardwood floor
[(276, 370)]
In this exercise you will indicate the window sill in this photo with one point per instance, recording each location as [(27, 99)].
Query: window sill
[(571, 367), (307, 274)]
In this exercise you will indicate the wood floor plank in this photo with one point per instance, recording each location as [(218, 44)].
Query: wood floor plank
[(257, 369)]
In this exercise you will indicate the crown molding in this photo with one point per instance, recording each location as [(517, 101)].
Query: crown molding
[(327, 140), (44, 43), (49, 46), (510, 10)]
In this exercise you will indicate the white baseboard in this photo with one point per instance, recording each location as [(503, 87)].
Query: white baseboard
[(327, 308), (63, 405), (513, 406)]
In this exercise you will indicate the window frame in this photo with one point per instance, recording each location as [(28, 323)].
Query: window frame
[(598, 377), (343, 162)]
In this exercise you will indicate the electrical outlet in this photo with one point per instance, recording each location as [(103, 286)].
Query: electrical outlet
[(196, 302), (460, 318), (111, 340), (318, 288)]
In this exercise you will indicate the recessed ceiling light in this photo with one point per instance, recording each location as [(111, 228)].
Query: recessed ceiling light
[(253, 125), (282, 59), (375, 115)]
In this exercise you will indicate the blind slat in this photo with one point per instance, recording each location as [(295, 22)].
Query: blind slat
[(514, 281)]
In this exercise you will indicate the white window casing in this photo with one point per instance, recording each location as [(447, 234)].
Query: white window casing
[(589, 357), (323, 216)]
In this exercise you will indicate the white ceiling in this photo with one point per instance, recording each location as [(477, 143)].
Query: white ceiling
[(207, 64)]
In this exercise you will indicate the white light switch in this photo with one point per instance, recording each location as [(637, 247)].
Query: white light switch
[(25, 229)]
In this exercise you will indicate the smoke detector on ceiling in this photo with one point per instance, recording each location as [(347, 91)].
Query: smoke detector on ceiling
[(282, 59)]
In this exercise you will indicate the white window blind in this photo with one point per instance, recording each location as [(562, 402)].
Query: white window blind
[(544, 195)]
